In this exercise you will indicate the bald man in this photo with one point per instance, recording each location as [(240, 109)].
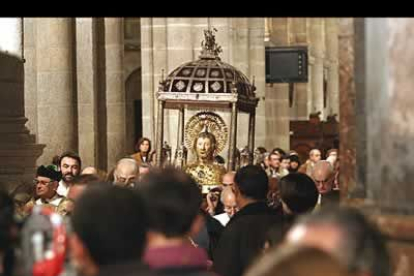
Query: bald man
[(228, 179), (230, 208), (126, 172), (89, 170), (324, 177)]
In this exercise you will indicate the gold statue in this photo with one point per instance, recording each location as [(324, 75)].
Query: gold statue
[(204, 171)]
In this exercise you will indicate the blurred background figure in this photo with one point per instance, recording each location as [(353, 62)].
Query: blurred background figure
[(89, 170), (297, 261), (298, 195), (80, 183), (348, 236), (108, 239), (173, 200), (7, 234)]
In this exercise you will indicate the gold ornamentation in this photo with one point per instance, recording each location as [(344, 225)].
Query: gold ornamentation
[(214, 123), (206, 175)]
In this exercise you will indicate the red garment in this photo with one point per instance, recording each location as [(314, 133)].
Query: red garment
[(176, 257)]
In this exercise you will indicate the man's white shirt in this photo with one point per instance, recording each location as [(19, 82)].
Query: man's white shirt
[(223, 218), (62, 189)]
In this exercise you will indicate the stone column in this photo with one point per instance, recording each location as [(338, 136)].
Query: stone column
[(115, 90), (30, 73), (361, 110), (299, 37), (317, 53), (277, 96), (180, 50), (86, 69), (397, 166), (241, 60), (347, 105), (331, 41), (257, 69), (18, 153), (390, 130), (148, 89), (56, 106)]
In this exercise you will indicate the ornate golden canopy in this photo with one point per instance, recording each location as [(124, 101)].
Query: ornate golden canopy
[(208, 83)]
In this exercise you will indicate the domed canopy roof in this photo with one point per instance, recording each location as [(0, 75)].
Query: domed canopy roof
[(207, 76), (208, 79)]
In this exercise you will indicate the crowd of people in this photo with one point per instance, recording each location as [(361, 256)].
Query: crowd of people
[(274, 217)]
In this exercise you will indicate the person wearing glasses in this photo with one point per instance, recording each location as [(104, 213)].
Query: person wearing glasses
[(46, 184), (323, 176)]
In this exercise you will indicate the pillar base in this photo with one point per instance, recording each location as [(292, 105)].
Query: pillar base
[(18, 153)]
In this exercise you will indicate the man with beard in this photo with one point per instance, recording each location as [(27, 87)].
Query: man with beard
[(70, 166)]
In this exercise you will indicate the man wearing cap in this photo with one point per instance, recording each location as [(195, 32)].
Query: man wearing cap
[(46, 183)]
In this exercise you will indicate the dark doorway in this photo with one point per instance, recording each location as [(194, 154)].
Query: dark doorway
[(138, 119)]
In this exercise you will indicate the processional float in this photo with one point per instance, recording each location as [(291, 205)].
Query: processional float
[(206, 84)]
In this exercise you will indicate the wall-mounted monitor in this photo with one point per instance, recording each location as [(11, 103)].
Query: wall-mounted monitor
[(286, 64)]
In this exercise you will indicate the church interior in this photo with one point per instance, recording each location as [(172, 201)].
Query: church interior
[(96, 85)]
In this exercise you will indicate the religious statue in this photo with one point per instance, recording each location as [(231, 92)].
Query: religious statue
[(205, 171), (209, 45)]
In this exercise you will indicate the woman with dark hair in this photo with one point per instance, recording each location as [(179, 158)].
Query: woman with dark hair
[(143, 154)]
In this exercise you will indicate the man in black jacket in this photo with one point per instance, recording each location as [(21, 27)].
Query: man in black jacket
[(244, 236)]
